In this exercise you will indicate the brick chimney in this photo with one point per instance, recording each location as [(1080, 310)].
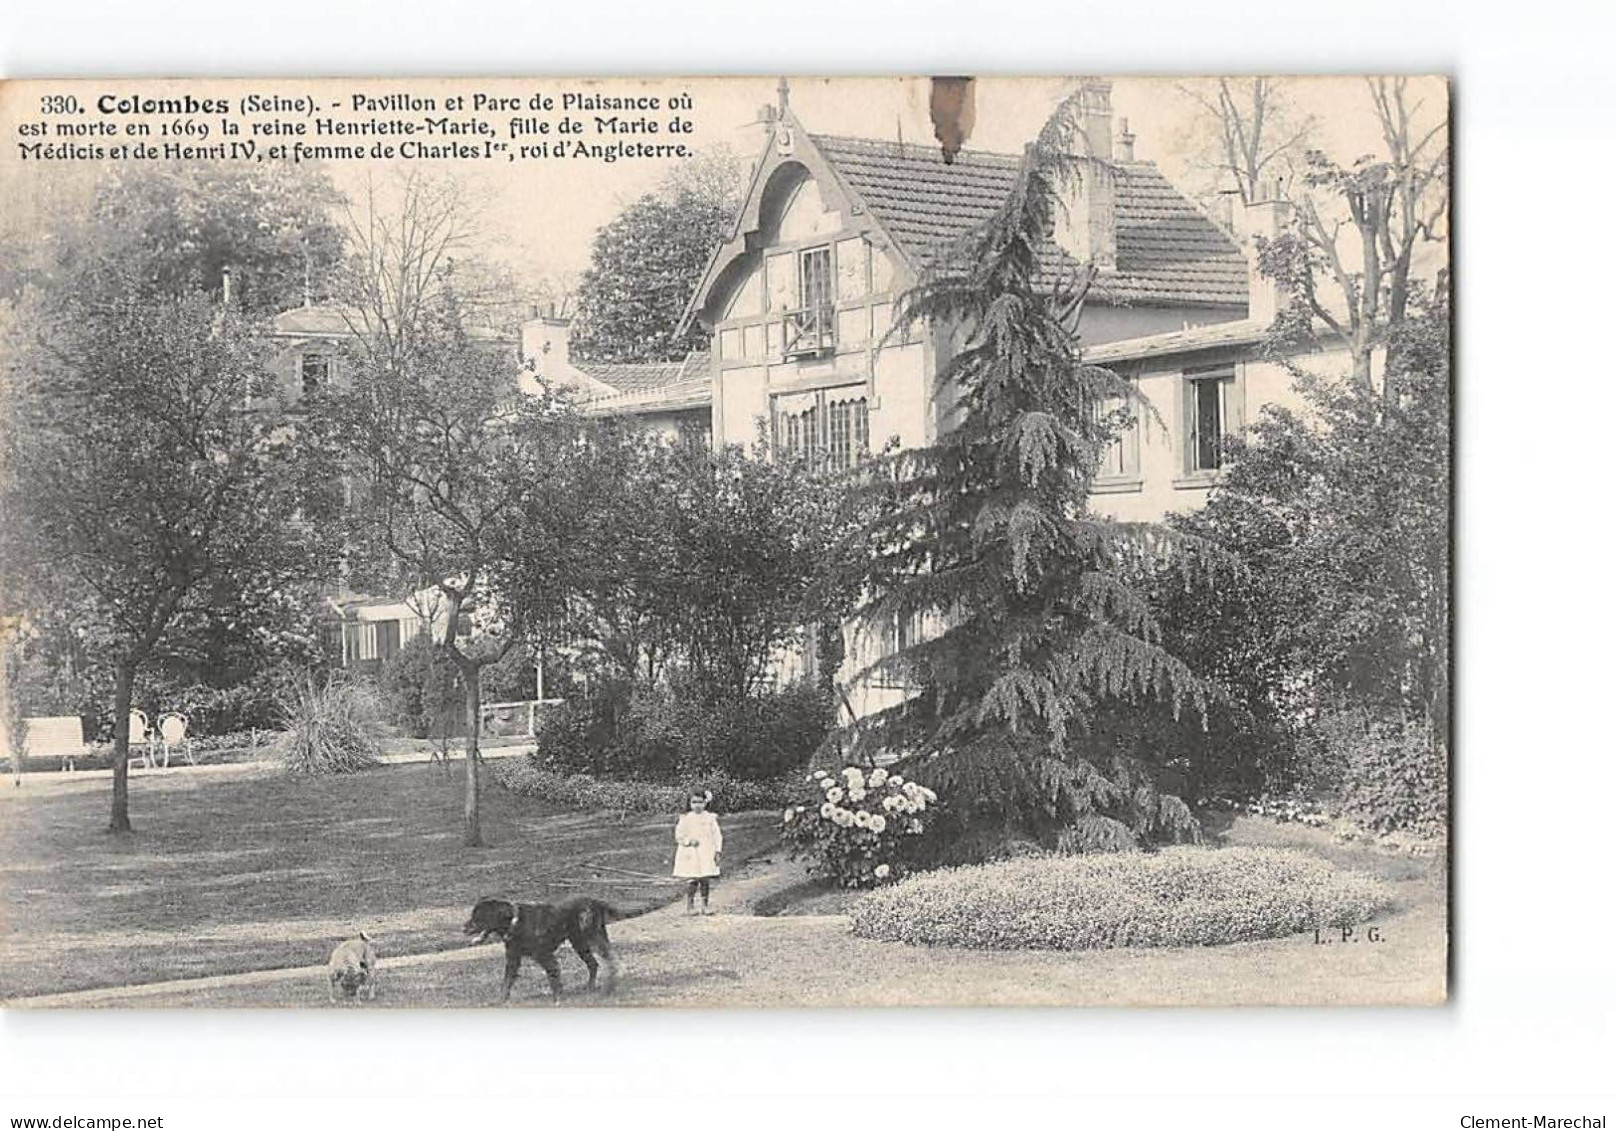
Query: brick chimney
[(1094, 116), (1267, 216), (1087, 227)]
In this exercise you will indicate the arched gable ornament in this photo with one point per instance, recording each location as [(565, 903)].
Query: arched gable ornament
[(785, 141)]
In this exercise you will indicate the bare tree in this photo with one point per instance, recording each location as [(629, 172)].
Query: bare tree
[(1247, 132), (1358, 229)]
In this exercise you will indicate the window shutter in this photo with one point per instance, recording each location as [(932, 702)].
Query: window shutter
[(1186, 426), (1234, 403)]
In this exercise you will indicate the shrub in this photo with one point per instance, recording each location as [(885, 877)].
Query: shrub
[(856, 829), (1385, 775), (422, 688), (253, 705), (329, 729), (580, 736), (666, 734), (528, 778), (1175, 897)]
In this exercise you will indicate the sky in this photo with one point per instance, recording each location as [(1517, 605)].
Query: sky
[(543, 219)]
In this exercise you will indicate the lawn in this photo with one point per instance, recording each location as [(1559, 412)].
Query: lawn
[(252, 870), (739, 958)]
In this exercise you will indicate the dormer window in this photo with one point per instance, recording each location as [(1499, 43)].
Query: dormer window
[(811, 329), (315, 372)]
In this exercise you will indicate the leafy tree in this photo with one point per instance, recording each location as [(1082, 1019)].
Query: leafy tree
[(449, 455), (272, 227), (1341, 517), (154, 487), (646, 264), (754, 539), (681, 560), (614, 606), (1037, 608)]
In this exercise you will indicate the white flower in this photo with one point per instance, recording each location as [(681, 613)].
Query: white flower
[(895, 780), (827, 810), (878, 778), (827, 783), (855, 794), (820, 774), (842, 817), (861, 819), (882, 871), (878, 823), (854, 775), (834, 794), (789, 815), (890, 803)]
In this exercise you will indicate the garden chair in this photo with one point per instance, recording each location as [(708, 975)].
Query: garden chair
[(141, 735), (175, 730)]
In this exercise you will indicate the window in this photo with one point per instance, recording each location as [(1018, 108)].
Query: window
[(816, 278), (811, 329), (316, 372), (1212, 410), (833, 434), (1120, 462), (898, 635)]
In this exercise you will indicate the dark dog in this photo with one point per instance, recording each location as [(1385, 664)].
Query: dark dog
[(535, 930)]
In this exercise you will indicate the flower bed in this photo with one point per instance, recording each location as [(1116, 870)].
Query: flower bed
[(581, 791), (1176, 897)]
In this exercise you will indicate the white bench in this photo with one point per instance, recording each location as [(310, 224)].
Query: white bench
[(55, 736)]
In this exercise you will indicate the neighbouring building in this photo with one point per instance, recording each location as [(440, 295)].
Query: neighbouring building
[(672, 398), (362, 631)]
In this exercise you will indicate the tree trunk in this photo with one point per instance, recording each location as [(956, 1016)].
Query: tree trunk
[(123, 696), (474, 703)]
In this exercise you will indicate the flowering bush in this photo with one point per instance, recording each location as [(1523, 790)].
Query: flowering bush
[(854, 829), (1176, 897)]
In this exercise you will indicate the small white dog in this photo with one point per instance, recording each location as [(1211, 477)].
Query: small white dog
[(353, 964)]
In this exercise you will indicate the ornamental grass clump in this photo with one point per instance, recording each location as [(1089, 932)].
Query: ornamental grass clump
[(330, 730), (1177, 897), (855, 830)]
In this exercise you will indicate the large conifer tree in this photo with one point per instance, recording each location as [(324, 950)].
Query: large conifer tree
[(1033, 607)]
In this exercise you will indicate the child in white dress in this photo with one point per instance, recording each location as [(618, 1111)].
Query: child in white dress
[(700, 843)]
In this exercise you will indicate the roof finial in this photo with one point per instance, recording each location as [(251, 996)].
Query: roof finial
[(785, 94)]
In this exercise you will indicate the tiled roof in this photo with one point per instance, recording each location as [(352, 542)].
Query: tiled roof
[(629, 378), (690, 393), (1167, 250), (313, 320)]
